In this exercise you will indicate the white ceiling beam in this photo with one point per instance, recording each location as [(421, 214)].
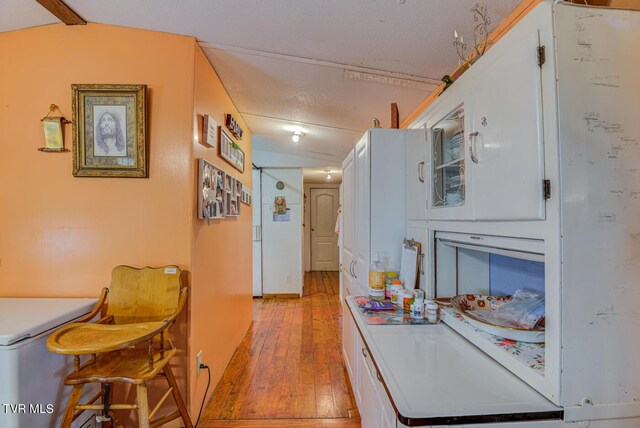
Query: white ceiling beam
[(321, 63), (297, 122)]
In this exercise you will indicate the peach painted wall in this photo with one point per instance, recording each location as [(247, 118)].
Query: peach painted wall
[(61, 235), (221, 256)]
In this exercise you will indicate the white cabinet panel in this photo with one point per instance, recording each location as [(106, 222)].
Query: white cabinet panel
[(348, 212), (362, 210), (348, 331), (370, 409), (388, 414), (357, 364), (507, 137), (416, 172)]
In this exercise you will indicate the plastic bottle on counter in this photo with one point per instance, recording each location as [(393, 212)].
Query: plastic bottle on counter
[(396, 291), (407, 300), (376, 279), (417, 309), (390, 276), (431, 310)]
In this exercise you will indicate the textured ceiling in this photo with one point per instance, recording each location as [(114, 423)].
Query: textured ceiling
[(319, 175), (283, 61)]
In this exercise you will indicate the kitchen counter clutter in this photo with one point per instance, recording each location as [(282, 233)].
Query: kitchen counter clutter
[(432, 375), (529, 354)]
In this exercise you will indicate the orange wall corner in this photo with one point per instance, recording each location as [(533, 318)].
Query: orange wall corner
[(221, 252)]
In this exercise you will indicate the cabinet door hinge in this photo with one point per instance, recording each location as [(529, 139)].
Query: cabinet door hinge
[(546, 189), (542, 56)]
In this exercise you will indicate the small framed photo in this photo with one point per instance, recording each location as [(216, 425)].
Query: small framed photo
[(209, 131), (109, 131), (232, 199), (210, 191), (228, 183), (246, 195), (230, 151)]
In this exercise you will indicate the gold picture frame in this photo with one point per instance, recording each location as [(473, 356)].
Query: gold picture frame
[(109, 130)]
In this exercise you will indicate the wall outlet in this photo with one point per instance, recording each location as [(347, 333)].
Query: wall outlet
[(198, 362), (287, 279)]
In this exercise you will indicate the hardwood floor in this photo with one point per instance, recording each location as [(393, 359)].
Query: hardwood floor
[(288, 369)]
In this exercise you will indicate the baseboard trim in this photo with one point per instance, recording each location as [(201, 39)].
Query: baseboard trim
[(281, 296)]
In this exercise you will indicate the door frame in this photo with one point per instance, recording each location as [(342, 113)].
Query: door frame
[(306, 233), (311, 211)]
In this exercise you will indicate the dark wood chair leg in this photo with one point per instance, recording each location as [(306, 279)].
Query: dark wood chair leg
[(182, 408), (106, 398), (70, 411)]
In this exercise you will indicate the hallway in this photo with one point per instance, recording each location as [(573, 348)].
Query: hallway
[(288, 370)]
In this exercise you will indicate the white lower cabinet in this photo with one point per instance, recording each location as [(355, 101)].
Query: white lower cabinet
[(373, 403), (388, 417), (370, 413), (348, 333)]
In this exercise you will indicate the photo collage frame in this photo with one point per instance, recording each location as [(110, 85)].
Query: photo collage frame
[(211, 191), (220, 195)]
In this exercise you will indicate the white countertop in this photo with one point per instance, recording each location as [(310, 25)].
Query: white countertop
[(431, 371)]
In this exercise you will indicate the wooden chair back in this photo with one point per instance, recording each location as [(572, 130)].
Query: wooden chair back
[(143, 295)]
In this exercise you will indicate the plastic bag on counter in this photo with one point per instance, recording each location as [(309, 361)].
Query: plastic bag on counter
[(525, 310)]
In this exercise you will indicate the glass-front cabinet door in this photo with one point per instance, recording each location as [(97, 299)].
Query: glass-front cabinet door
[(448, 159), (447, 136)]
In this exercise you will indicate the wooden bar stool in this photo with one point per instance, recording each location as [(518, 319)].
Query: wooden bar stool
[(130, 344)]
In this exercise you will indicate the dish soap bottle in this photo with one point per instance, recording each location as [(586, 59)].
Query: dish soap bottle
[(376, 279)]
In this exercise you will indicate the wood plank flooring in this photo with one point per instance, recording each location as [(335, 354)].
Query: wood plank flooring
[(288, 369)]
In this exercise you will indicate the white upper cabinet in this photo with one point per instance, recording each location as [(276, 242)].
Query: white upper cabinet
[(374, 203), (447, 132), (416, 172), (506, 143), (485, 137)]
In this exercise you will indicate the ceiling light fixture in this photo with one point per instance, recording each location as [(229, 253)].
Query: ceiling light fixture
[(296, 136)]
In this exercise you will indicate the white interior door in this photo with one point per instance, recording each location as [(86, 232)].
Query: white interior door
[(324, 241)]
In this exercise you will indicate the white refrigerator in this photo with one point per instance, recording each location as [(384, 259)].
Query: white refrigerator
[(32, 390)]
